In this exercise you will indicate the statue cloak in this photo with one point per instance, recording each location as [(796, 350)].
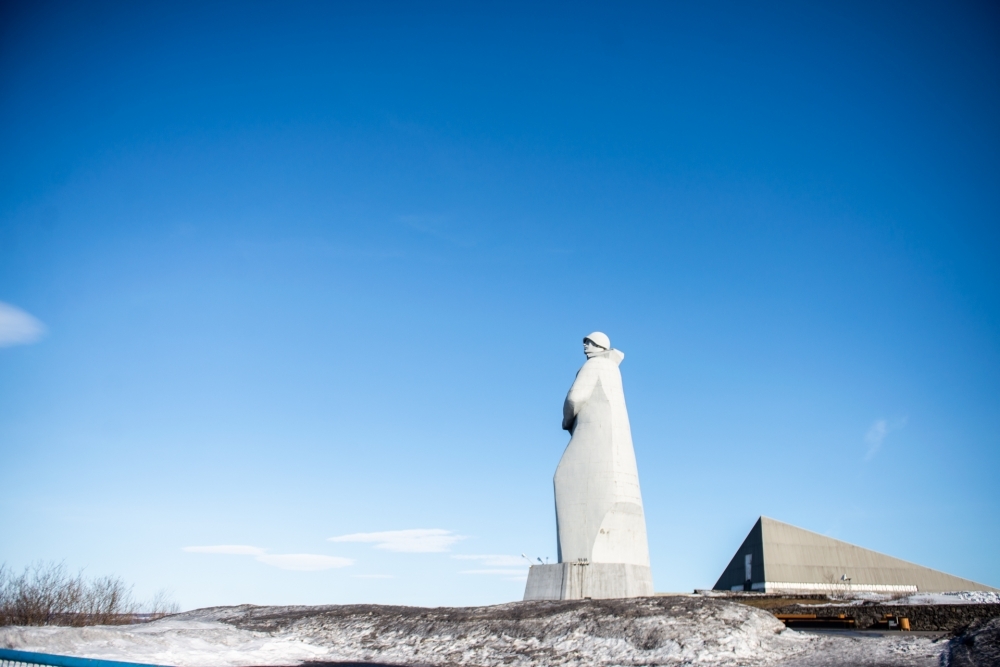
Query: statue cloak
[(599, 514)]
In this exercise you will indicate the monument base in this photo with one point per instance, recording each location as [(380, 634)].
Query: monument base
[(576, 581)]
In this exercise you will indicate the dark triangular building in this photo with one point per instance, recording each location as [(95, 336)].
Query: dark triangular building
[(779, 558)]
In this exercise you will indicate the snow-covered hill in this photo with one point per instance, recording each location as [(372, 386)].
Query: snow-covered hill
[(681, 630)]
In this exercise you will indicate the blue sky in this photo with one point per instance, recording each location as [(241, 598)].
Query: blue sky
[(279, 273)]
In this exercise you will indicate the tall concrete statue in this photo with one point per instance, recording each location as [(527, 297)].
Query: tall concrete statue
[(603, 550)]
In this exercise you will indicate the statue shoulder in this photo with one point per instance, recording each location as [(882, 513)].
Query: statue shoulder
[(611, 357)]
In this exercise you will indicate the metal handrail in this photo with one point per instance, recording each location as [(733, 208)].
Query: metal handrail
[(11, 658)]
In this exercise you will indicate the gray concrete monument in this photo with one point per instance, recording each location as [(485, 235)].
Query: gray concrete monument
[(603, 551)]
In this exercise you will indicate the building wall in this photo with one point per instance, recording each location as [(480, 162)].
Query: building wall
[(734, 576), (796, 560)]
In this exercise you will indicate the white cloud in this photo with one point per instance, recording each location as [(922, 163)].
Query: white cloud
[(512, 568), (492, 560), (232, 549), (877, 433), (304, 562), (417, 540), (299, 562), (18, 327)]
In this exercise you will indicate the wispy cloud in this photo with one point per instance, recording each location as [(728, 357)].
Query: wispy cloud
[(298, 562), (18, 327), (304, 562), (877, 433), (439, 227), (417, 540), (511, 568), (494, 560), (231, 549)]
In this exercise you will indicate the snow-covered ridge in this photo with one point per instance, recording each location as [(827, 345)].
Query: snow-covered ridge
[(679, 630), (598, 632)]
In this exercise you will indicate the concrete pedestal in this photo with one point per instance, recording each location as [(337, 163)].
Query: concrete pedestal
[(575, 581)]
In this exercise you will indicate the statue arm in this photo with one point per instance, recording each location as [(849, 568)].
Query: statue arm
[(569, 416), (578, 394)]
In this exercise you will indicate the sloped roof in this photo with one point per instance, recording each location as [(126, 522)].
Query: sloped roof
[(785, 554)]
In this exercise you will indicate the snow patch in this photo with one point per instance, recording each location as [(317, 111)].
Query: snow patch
[(954, 597)]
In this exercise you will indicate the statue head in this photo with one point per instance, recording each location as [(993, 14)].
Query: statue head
[(596, 343)]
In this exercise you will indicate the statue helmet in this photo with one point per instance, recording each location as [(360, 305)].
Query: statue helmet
[(597, 338)]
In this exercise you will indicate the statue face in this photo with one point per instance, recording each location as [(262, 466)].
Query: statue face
[(590, 349)]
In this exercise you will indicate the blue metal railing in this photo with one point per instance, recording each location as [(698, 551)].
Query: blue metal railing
[(10, 658)]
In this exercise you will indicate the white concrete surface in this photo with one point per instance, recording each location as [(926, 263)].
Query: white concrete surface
[(599, 513), (596, 581), (598, 504)]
